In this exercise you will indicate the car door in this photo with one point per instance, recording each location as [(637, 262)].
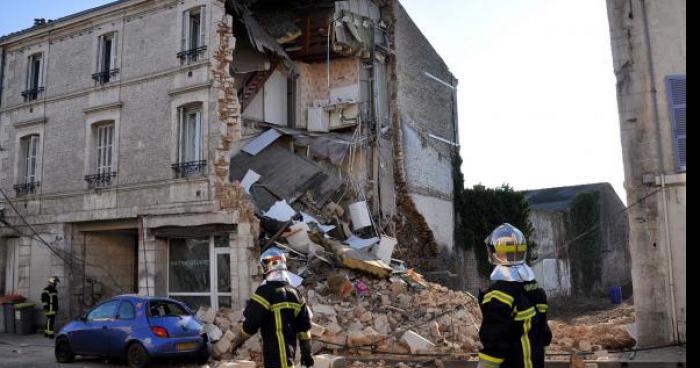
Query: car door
[(119, 329), (90, 338)]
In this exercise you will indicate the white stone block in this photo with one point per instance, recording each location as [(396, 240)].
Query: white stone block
[(325, 360), (417, 343)]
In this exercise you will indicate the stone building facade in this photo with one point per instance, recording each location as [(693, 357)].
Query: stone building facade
[(118, 126), (649, 55)]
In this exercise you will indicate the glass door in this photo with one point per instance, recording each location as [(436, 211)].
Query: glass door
[(199, 271)]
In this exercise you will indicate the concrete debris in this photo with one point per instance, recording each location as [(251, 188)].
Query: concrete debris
[(417, 343), (606, 330), (206, 315)]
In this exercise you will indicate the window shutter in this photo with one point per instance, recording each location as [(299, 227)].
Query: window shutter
[(202, 26), (98, 60), (113, 62), (185, 30), (676, 93)]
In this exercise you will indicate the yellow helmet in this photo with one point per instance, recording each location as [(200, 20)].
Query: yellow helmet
[(506, 246)]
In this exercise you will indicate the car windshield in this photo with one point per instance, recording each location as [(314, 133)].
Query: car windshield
[(164, 308)]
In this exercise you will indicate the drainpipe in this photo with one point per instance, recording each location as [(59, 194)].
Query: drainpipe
[(661, 171), (2, 72)]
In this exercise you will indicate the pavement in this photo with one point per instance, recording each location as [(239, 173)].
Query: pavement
[(30, 351)]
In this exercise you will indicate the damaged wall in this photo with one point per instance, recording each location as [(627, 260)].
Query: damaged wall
[(423, 106)]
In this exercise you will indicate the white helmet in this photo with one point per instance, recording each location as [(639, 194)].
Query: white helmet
[(54, 280), (271, 260), (506, 246)]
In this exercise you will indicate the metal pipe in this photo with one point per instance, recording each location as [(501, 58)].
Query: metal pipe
[(660, 168)]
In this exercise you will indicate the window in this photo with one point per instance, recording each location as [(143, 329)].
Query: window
[(28, 171), (126, 311), (676, 94), (104, 311), (199, 271), (163, 308), (34, 78), (106, 59), (190, 161), (193, 36), (104, 157)]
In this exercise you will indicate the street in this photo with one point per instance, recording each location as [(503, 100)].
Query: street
[(36, 351)]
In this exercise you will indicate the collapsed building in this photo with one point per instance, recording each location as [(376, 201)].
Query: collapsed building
[(141, 141)]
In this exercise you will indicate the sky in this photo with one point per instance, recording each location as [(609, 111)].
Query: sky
[(537, 101)]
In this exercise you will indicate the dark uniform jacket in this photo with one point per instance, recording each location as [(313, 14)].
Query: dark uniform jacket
[(281, 315), (49, 300), (514, 331)]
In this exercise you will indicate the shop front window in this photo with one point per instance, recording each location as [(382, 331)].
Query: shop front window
[(199, 271)]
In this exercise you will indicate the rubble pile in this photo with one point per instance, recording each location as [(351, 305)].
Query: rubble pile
[(355, 314), (600, 330), (392, 316)]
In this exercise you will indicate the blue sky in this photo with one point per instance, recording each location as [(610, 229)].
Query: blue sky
[(537, 103)]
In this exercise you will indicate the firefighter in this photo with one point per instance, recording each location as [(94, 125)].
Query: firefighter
[(514, 331), (49, 299), (280, 313)]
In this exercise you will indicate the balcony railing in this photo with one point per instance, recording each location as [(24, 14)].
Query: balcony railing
[(27, 188), (105, 76), (191, 56), (189, 169), (32, 94), (99, 181)]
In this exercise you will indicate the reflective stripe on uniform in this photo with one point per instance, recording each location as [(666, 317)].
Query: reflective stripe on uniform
[(280, 338), (525, 342), (260, 300), (287, 305), (491, 359), (526, 314), (500, 296), (304, 335), (542, 308)]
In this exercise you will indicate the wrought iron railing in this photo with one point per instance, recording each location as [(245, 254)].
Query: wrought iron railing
[(105, 76), (189, 169), (27, 188), (98, 181), (191, 56), (32, 94)]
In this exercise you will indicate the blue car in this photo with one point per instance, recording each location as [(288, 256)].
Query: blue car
[(136, 328)]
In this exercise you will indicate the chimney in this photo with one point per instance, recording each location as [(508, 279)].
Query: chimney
[(39, 21)]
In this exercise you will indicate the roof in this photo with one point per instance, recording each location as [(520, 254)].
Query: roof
[(60, 20), (560, 198)]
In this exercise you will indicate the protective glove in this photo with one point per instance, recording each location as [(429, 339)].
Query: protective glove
[(307, 359), (486, 364)]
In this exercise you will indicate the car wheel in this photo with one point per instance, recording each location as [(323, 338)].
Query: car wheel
[(137, 356), (63, 351), (202, 356)]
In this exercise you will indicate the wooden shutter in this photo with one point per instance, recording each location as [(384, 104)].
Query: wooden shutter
[(676, 93)]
